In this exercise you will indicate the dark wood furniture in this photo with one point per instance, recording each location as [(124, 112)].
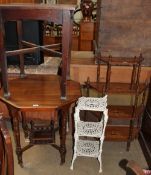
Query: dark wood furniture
[(6, 151), (124, 120), (86, 35), (132, 168), (84, 65), (60, 14), (30, 98), (145, 134), (37, 98), (82, 37)]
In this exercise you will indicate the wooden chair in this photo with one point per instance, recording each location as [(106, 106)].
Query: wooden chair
[(134, 169), (6, 151)]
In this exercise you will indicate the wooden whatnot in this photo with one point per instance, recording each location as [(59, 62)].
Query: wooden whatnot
[(124, 120), (28, 97)]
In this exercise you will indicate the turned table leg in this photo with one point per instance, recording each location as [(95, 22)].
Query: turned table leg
[(62, 131), (16, 132)]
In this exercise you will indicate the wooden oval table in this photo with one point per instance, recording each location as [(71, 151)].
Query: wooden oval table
[(34, 95)]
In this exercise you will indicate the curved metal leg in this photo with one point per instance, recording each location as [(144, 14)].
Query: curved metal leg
[(73, 159)]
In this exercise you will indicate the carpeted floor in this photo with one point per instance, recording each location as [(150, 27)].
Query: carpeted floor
[(50, 66)]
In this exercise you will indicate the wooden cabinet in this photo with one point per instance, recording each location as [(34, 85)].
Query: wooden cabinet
[(86, 36), (124, 119), (82, 38)]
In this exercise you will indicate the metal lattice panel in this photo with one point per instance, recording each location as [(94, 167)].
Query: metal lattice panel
[(85, 145), (91, 129), (88, 148), (92, 103)]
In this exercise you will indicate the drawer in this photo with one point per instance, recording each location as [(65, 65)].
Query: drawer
[(85, 45), (119, 133), (87, 27), (86, 36)]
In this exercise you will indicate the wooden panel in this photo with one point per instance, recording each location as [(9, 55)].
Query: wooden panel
[(124, 28), (75, 43), (54, 39), (85, 45), (81, 68), (86, 36), (51, 40), (118, 133), (87, 26)]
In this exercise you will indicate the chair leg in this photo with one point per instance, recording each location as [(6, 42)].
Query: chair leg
[(88, 87), (68, 121)]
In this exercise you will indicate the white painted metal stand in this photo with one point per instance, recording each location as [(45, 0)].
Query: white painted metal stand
[(90, 147)]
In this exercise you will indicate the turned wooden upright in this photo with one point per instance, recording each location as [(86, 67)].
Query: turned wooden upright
[(60, 14)]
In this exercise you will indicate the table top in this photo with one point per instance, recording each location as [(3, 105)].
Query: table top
[(56, 13), (40, 92), (37, 6)]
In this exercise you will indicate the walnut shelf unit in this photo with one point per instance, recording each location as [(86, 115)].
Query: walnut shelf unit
[(124, 120)]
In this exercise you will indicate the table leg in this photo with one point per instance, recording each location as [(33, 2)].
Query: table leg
[(16, 132), (62, 132), (3, 60)]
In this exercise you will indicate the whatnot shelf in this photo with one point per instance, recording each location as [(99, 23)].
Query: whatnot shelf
[(124, 120)]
